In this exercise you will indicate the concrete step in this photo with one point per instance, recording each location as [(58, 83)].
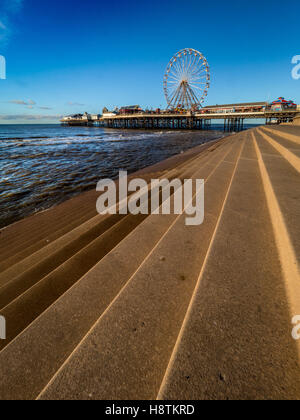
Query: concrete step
[(292, 146), (71, 217), (29, 240), (15, 256), (22, 276), (38, 226), (35, 223), (65, 323), (66, 222), (235, 342), (285, 180), (29, 304), (283, 147), (48, 257), (28, 244), (288, 255), (45, 259), (129, 347), (25, 297), (286, 132)]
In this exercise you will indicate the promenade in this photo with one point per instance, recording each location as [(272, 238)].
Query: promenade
[(144, 307)]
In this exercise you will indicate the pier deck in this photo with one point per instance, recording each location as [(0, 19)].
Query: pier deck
[(232, 121), (143, 307)]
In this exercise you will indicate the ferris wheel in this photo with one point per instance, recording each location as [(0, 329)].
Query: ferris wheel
[(187, 80)]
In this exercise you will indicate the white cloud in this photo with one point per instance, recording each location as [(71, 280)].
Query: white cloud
[(18, 102), (28, 117), (30, 104), (21, 102)]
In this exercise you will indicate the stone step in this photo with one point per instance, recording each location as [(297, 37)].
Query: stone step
[(235, 342), (26, 232), (26, 305), (31, 239), (25, 297), (288, 133), (292, 146), (64, 324), (291, 155), (57, 219), (22, 276), (48, 257), (14, 256), (130, 345), (285, 182), (33, 224), (45, 260)]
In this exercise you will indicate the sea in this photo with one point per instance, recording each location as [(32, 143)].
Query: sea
[(44, 165)]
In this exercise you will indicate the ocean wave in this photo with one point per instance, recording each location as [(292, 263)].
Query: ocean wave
[(23, 138)]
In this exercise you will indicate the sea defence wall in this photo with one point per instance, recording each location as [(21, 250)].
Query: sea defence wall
[(297, 121), (144, 307)]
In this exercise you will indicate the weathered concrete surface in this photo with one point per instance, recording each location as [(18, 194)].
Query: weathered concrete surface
[(46, 226), (163, 288), (58, 330), (297, 121), (25, 297), (289, 132), (167, 311), (236, 342)]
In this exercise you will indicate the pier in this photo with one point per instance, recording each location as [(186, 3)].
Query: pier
[(232, 121)]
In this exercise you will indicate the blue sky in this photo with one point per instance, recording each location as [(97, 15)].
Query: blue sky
[(71, 56)]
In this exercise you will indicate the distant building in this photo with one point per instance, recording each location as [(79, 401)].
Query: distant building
[(108, 114), (80, 117), (127, 110), (73, 117), (232, 108), (86, 117), (282, 105)]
